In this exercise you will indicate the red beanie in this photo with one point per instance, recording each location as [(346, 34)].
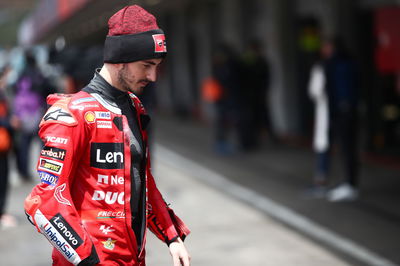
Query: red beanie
[(133, 35), (131, 20)]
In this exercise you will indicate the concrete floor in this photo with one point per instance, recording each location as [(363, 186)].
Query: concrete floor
[(225, 231)]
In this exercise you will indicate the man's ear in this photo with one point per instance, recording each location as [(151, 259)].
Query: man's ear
[(119, 66)]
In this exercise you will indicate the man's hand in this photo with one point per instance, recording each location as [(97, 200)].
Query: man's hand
[(179, 254)]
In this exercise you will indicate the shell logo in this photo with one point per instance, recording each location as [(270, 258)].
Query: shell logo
[(90, 117)]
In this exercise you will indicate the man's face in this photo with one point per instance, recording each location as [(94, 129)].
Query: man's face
[(134, 76)]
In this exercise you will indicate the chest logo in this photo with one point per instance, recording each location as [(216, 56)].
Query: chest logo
[(109, 244), (90, 117), (107, 155)]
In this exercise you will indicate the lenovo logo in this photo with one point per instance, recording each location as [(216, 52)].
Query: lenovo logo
[(107, 155), (66, 231)]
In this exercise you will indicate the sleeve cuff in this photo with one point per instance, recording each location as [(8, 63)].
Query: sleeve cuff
[(171, 240)]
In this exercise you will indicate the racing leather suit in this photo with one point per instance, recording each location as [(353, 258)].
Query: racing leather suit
[(82, 205)]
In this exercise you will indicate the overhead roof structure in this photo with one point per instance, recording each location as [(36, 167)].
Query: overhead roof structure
[(11, 15), (83, 21)]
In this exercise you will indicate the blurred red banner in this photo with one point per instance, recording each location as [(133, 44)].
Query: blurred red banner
[(387, 34)]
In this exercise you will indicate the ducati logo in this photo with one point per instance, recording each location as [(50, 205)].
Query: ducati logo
[(160, 45), (57, 140)]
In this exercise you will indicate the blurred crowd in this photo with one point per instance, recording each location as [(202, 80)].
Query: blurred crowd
[(27, 76), (23, 92), (237, 90)]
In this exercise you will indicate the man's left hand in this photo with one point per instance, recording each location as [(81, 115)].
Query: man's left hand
[(180, 255)]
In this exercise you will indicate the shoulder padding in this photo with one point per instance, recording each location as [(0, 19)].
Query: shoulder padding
[(59, 111)]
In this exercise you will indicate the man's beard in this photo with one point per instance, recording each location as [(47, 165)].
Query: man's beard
[(124, 78)]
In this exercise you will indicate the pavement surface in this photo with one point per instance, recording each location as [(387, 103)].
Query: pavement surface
[(225, 230), (245, 209), (363, 232)]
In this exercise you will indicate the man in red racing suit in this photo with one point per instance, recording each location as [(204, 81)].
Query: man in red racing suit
[(97, 195)]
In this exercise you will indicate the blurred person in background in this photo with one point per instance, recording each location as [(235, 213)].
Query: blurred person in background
[(97, 196), (255, 79), (6, 126), (334, 89), (30, 92), (221, 90)]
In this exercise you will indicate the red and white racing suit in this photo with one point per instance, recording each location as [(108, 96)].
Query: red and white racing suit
[(82, 203)]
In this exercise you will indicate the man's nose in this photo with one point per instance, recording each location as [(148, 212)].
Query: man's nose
[(152, 75)]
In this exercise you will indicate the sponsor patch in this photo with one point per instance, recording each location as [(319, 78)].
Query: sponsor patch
[(90, 117), (57, 240), (58, 140), (112, 179), (102, 115), (84, 100), (54, 153), (103, 124), (66, 230), (106, 229), (48, 178), (109, 244), (84, 106), (160, 45), (109, 197), (110, 214), (107, 155), (50, 166), (56, 113), (102, 214), (58, 195)]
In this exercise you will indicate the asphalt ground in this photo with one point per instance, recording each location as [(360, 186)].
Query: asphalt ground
[(363, 232), (225, 230)]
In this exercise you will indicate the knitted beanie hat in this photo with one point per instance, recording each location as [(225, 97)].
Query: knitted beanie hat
[(133, 35)]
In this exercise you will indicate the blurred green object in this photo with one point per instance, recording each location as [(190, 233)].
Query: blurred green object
[(309, 40)]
